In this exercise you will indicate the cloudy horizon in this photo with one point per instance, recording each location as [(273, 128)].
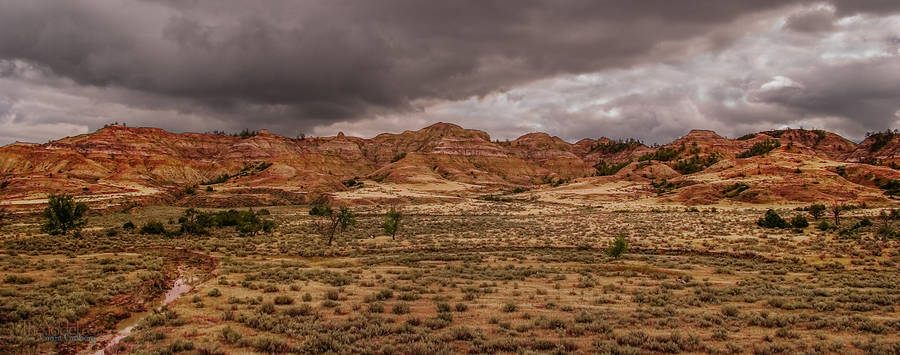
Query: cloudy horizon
[(653, 70)]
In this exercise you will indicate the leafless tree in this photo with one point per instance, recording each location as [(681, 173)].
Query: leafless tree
[(836, 210)]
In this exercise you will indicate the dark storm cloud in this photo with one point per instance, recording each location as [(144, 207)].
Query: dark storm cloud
[(878, 7), (331, 60), (867, 92), (813, 20), (574, 68)]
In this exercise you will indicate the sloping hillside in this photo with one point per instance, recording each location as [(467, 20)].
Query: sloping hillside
[(150, 164)]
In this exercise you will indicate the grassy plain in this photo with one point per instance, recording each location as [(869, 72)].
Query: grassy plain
[(474, 277)]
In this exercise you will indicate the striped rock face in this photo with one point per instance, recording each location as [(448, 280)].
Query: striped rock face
[(147, 163)]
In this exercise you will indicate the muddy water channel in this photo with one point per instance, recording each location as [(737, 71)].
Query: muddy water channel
[(185, 282)]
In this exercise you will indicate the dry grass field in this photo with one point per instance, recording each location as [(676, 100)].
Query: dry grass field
[(470, 277)]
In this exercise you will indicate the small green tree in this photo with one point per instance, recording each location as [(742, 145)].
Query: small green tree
[(251, 225), (189, 223), (772, 220), (63, 214), (816, 211), (617, 246), (886, 230), (334, 221), (824, 226), (799, 222), (323, 209), (391, 223), (346, 219)]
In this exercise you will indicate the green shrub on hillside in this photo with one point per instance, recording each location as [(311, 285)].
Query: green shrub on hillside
[(153, 227), (617, 246), (695, 163), (799, 222), (890, 187), (881, 139), (772, 220), (761, 148), (616, 146), (662, 154), (606, 169), (245, 222)]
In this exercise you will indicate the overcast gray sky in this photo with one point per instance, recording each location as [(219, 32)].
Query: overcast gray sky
[(576, 69)]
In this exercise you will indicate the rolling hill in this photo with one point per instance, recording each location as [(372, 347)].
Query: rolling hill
[(120, 164)]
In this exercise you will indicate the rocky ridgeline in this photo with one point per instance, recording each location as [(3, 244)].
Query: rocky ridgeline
[(128, 160)]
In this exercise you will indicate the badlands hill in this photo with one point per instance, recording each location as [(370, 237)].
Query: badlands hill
[(123, 165)]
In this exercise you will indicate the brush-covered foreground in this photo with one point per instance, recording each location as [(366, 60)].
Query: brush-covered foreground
[(486, 277)]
